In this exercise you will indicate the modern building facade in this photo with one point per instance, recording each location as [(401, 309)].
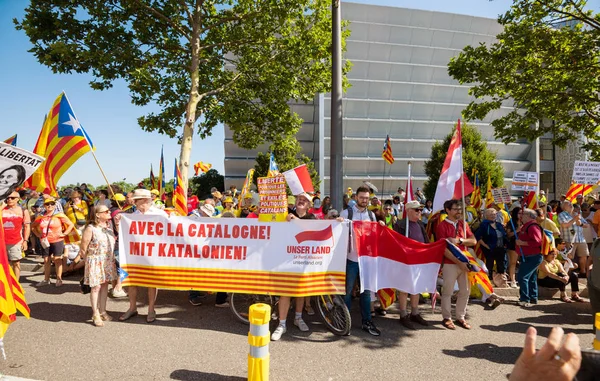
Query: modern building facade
[(399, 86)]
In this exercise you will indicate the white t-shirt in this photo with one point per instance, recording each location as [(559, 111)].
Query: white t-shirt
[(357, 215), (153, 211)]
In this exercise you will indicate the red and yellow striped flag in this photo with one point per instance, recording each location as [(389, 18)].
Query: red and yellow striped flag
[(387, 154), (576, 189), (201, 167), (387, 297), (62, 142), (476, 200), (179, 194), (530, 200), (12, 297), (489, 198)]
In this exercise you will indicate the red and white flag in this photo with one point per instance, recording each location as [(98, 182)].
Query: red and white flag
[(449, 185), (409, 195), (298, 179), (390, 260)]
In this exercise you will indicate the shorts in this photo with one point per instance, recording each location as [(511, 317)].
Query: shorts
[(580, 250), (56, 249), (14, 252)]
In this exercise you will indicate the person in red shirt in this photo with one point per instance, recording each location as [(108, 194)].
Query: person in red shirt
[(16, 224), (192, 201), (529, 245), (453, 229)]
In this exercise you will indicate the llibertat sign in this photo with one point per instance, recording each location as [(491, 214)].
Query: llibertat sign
[(586, 172), (296, 258), (16, 165)]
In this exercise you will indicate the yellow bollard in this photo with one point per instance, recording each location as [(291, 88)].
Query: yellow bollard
[(597, 339), (258, 338)]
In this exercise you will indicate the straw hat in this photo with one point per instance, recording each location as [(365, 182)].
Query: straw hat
[(141, 193)]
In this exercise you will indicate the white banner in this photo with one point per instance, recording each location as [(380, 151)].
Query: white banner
[(16, 165), (524, 181), (297, 258), (586, 172)]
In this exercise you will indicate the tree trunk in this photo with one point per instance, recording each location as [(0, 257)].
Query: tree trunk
[(190, 110)]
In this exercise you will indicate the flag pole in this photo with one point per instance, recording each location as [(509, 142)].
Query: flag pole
[(383, 179), (408, 189), (94, 155), (462, 185)]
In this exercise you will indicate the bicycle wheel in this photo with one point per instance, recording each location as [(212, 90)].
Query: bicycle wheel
[(240, 304), (333, 313)]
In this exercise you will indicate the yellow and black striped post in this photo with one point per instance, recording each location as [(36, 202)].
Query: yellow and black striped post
[(258, 338), (597, 339)]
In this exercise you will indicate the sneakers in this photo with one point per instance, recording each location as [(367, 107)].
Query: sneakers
[(196, 301), (280, 330), (405, 321), (370, 327), (42, 283), (222, 305), (419, 320), (513, 285), (118, 293), (301, 325), (521, 303)]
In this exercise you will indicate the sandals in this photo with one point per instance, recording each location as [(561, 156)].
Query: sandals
[(577, 298), (97, 320), (151, 317), (566, 299), (128, 315), (447, 323), (106, 317), (463, 324)]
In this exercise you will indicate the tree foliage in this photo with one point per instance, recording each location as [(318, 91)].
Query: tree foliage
[(202, 184), (288, 155), (476, 155), (201, 62), (548, 60)]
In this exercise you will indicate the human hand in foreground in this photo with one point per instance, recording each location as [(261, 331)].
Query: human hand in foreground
[(553, 362)]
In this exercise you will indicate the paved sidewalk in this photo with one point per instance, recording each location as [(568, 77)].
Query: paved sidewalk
[(206, 343)]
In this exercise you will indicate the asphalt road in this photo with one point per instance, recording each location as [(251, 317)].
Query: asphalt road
[(207, 343)]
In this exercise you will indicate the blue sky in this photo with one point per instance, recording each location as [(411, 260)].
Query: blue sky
[(123, 149)]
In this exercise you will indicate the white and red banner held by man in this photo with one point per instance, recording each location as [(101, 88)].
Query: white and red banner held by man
[(297, 258)]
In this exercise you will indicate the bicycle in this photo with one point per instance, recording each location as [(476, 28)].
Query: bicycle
[(331, 309)]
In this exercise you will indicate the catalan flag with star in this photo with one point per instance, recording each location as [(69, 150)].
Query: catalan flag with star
[(62, 142), (179, 194), (387, 154), (201, 167), (12, 140)]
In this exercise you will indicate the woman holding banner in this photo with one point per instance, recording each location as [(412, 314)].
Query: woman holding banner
[(97, 249), (303, 204)]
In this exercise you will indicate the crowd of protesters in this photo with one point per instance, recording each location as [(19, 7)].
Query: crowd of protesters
[(79, 231)]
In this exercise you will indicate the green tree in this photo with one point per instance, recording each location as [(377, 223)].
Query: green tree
[(547, 59), (201, 61), (288, 154), (202, 184), (476, 155)]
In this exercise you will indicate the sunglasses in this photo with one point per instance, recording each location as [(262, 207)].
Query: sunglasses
[(104, 211), (50, 204), (12, 198)]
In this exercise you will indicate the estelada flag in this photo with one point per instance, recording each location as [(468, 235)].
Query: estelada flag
[(201, 167), (387, 153), (299, 180), (12, 298), (12, 140), (152, 178), (476, 200), (62, 142), (179, 194)]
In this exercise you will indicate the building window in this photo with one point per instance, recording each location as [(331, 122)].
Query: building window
[(547, 182), (546, 149)]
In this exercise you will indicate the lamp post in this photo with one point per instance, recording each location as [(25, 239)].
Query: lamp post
[(336, 150)]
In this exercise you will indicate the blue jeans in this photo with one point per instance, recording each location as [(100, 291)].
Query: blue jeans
[(365, 297), (527, 277)]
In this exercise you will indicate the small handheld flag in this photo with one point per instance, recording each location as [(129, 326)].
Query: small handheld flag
[(273, 168), (201, 167), (179, 194)]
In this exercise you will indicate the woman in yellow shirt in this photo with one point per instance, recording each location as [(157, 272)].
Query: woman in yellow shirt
[(551, 274)]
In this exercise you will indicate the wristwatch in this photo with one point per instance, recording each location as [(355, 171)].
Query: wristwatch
[(460, 241)]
